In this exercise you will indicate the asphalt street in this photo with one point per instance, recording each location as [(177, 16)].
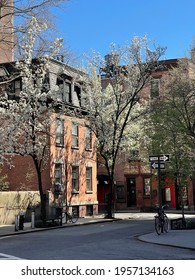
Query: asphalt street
[(106, 241)]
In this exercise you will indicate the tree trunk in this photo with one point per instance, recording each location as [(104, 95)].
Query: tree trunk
[(110, 171), (40, 187), (110, 200), (193, 187)]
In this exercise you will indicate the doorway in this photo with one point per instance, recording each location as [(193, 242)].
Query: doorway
[(131, 192)]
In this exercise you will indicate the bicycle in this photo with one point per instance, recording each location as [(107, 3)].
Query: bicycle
[(161, 220), (70, 217)]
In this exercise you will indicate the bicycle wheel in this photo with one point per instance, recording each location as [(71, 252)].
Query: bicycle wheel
[(66, 217), (74, 217), (158, 225), (166, 223)]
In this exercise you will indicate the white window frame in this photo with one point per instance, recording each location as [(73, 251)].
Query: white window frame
[(88, 179), (59, 132), (75, 178), (88, 139), (75, 135)]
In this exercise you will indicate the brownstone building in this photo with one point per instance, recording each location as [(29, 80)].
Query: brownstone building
[(69, 178), (136, 182)]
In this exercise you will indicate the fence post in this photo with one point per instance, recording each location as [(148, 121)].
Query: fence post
[(33, 220), (16, 222)]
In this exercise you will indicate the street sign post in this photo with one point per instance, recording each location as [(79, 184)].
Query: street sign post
[(156, 165), (157, 158), (158, 162)]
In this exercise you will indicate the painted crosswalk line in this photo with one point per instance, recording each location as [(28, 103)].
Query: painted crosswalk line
[(8, 257)]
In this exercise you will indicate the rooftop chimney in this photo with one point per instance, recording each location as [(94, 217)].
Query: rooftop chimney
[(6, 31), (111, 63)]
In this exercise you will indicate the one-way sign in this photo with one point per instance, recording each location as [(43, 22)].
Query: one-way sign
[(155, 165), (159, 158)]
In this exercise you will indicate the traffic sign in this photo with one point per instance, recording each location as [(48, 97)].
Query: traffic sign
[(156, 165), (157, 158)]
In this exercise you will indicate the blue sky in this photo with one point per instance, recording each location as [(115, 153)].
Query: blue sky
[(94, 24)]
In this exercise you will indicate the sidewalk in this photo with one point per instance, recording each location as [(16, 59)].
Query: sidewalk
[(176, 238)]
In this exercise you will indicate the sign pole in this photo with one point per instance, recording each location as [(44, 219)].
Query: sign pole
[(158, 161), (159, 184)]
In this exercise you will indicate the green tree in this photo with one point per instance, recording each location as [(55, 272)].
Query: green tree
[(172, 123)]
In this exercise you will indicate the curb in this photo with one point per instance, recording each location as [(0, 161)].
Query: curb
[(57, 227), (167, 245), (138, 237)]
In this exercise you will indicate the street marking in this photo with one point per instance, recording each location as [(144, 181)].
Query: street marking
[(9, 257), (4, 237)]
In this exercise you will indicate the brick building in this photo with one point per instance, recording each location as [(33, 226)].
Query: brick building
[(136, 183), (69, 178)]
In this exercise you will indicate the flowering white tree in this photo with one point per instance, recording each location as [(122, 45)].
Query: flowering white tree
[(29, 118), (115, 102)]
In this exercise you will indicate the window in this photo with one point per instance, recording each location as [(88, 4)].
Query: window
[(154, 91), (147, 186), (120, 192), (75, 140), (60, 92), (59, 132), (77, 89), (3, 72), (67, 93), (88, 139), (76, 96), (58, 178), (64, 92), (75, 179), (88, 179), (17, 87), (58, 173)]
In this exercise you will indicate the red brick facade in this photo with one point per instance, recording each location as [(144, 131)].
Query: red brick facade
[(22, 175), (72, 155)]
